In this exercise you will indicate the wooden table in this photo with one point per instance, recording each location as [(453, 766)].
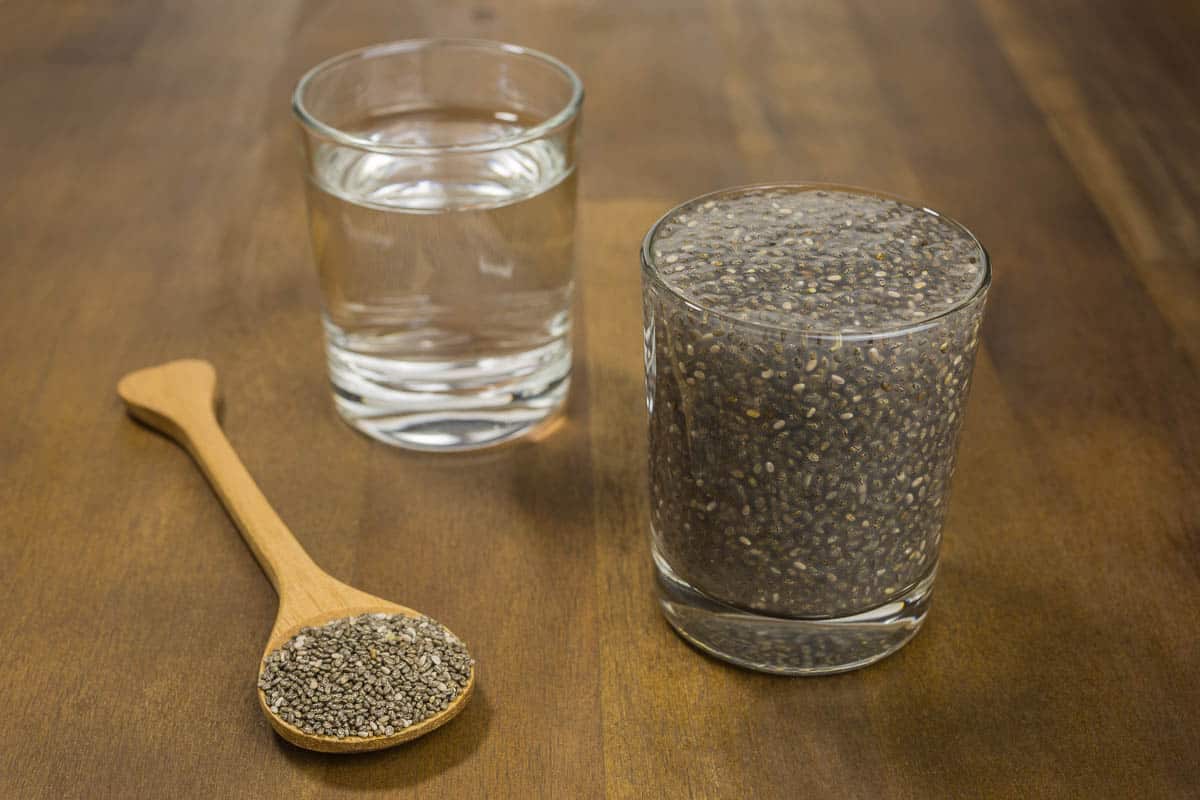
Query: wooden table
[(152, 209)]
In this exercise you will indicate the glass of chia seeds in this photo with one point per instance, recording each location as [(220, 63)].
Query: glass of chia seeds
[(808, 354)]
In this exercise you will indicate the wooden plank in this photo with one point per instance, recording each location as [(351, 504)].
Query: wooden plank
[(1131, 163)]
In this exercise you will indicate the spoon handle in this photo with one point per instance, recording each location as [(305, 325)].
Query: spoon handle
[(178, 399)]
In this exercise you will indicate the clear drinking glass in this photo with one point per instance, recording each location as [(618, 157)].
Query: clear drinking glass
[(441, 199), (808, 354)]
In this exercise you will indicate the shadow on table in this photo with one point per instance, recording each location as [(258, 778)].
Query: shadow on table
[(1011, 690), (539, 474), (1009, 682), (405, 765)]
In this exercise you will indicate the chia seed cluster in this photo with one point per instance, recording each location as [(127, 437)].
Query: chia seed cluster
[(808, 358), (365, 676)]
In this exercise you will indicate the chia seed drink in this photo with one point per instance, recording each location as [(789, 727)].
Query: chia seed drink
[(808, 355)]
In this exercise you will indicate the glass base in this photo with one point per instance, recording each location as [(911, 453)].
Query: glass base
[(450, 406), (787, 646)]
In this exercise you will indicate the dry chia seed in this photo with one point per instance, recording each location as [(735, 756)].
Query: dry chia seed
[(371, 675), (806, 474)]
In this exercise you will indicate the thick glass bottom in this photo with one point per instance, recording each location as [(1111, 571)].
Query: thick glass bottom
[(787, 646), (452, 405)]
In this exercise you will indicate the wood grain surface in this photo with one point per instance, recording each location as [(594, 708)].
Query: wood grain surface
[(151, 209)]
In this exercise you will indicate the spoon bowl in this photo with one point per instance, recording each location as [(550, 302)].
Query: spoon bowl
[(178, 399), (354, 603)]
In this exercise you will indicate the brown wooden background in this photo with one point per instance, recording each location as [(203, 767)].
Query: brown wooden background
[(150, 208)]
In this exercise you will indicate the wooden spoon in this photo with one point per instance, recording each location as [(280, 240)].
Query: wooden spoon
[(178, 399)]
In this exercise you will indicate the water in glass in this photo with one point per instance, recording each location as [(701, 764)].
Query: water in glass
[(446, 281)]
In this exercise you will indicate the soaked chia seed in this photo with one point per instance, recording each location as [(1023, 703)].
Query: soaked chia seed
[(371, 675), (808, 353)]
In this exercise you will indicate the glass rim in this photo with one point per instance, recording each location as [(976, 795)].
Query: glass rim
[(326, 131), (650, 269)]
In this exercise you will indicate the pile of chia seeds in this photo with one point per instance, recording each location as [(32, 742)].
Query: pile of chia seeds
[(371, 675), (808, 358)]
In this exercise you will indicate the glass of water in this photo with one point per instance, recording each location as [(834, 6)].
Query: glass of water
[(441, 199)]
